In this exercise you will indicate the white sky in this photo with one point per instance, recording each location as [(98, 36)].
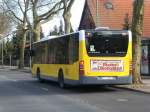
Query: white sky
[(76, 11)]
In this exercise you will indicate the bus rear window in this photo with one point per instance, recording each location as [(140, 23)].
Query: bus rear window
[(107, 43)]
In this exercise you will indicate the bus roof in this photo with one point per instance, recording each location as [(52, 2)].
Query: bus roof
[(46, 38), (55, 36), (105, 29)]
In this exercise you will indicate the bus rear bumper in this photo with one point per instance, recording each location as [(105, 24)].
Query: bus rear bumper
[(105, 80)]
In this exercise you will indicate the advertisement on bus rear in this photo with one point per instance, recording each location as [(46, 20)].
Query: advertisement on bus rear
[(107, 66)]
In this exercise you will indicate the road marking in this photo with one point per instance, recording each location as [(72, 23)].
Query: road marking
[(13, 80), (45, 89), (122, 100), (7, 79)]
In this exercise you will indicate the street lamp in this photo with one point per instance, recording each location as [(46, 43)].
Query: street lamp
[(2, 48)]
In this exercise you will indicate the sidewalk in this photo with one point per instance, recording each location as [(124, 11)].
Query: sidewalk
[(26, 69), (144, 88)]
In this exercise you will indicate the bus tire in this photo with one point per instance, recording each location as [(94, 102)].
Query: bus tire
[(61, 80), (38, 74)]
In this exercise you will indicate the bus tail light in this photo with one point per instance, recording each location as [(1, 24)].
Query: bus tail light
[(130, 68), (81, 67)]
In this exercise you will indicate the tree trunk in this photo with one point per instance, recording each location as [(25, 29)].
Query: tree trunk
[(36, 23), (67, 16), (137, 30), (37, 28), (21, 51)]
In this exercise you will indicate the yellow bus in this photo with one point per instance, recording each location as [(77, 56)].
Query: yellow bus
[(86, 57)]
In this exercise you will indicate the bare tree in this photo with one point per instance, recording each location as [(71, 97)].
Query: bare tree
[(67, 4), (18, 9), (137, 29), (5, 23), (43, 11)]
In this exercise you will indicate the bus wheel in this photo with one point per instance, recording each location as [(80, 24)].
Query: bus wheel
[(39, 75), (61, 80)]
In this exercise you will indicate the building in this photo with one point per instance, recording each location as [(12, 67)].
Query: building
[(112, 14)]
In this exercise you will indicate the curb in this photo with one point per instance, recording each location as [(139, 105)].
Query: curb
[(21, 70), (131, 89)]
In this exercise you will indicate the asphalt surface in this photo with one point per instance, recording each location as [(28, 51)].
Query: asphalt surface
[(19, 92)]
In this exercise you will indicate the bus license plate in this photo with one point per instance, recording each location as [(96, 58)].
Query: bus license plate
[(106, 78)]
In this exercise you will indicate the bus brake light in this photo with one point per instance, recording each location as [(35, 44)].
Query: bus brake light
[(81, 67)]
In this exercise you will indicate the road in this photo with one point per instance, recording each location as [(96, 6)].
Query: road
[(19, 92)]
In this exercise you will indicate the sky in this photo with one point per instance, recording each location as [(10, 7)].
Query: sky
[(76, 12)]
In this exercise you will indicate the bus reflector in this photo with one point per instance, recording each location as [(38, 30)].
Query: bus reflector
[(81, 67)]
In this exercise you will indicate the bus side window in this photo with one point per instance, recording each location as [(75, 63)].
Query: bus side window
[(73, 48), (76, 47)]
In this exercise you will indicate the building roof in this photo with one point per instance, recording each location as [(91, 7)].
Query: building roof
[(111, 13)]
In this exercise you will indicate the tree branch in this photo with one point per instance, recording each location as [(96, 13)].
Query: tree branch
[(20, 6), (48, 13), (47, 18), (9, 10), (70, 5)]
